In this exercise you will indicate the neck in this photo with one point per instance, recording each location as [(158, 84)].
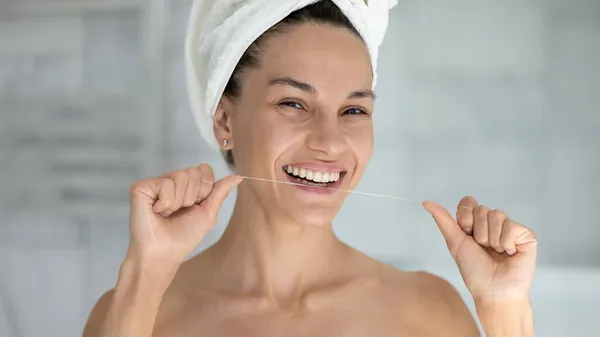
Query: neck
[(272, 255)]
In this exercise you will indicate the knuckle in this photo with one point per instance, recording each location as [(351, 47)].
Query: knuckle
[(532, 233), (496, 215), (206, 171), (194, 177), (513, 228), (468, 201), (514, 224), (166, 183), (167, 187), (192, 171), (481, 211), (135, 187), (180, 175)]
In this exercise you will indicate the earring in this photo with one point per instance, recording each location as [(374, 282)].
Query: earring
[(225, 142)]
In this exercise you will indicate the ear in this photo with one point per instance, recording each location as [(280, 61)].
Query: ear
[(222, 124)]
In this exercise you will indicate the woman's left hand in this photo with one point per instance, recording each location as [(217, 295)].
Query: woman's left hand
[(496, 256)]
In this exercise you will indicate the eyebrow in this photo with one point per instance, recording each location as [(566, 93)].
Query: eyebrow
[(362, 94), (368, 93)]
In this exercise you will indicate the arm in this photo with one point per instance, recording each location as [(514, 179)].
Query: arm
[(131, 308), (496, 257), (169, 216), (514, 319)]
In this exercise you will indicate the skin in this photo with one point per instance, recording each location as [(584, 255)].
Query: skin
[(279, 269)]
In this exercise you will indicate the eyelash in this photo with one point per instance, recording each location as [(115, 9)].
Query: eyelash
[(295, 105), (360, 111), (291, 104)]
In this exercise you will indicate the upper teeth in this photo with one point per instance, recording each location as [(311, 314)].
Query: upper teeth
[(318, 177)]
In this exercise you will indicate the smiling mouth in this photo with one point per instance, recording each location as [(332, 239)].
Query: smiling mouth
[(314, 178)]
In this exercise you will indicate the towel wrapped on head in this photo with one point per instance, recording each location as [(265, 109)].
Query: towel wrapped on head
[(220, 31)]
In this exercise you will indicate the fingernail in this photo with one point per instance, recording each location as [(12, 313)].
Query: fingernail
[(468, 231), (510, 252)]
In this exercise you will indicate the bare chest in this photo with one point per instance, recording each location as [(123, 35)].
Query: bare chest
[(350, 321), (277, 327)]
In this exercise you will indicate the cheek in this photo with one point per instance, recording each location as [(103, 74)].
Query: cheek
[(260, 140), (271, 142), (360, 142)]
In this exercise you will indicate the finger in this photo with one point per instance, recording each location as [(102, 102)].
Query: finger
[(517, 238), (193, 187), (480, 226), (207, 181), (464, 214), (145, 191), (181, 180), (165, 191), (450, 229), (219, 193), (496, 221)]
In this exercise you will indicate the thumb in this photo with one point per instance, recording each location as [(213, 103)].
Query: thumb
[(450, 229), (220, 191)]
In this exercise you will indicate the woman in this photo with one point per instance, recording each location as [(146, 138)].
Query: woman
[(294, 112)]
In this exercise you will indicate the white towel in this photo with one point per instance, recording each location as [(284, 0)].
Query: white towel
[(220, 31)]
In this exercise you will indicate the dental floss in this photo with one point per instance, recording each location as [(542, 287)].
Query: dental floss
[(336, 189)]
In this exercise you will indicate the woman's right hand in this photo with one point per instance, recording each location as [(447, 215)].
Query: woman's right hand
[(171, 214)]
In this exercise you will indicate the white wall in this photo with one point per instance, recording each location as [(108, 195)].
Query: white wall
[(497, 99)]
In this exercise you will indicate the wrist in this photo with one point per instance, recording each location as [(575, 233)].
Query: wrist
[(501, 318), (144, 272), (497, 306), (136, 298)]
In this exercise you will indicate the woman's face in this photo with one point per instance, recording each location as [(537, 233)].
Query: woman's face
[(305, 116)]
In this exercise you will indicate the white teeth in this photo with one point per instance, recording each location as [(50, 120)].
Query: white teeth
[(318, 177)]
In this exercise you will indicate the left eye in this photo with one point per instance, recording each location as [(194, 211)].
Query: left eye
[(292, 104), (354, 111)]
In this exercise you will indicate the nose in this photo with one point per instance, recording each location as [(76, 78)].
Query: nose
[(326, 136)]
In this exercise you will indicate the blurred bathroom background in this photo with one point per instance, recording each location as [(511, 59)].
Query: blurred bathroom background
[(493, 98)]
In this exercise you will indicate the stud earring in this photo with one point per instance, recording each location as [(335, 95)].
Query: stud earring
[(225, 142)]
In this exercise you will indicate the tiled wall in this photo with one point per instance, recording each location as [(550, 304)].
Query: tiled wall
[(498, 99)]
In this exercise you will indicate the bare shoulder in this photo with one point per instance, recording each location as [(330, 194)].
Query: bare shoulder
[(98, 315), (430, 303), (173, 308)]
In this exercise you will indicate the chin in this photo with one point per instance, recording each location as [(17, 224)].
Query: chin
[(314, 216)]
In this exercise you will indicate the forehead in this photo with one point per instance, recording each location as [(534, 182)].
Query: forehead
[(319, 54)]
